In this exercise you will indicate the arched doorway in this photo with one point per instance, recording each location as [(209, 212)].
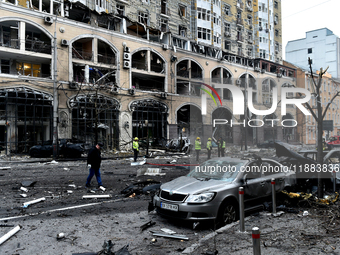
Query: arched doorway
[(189, 121), (149, 119), (25, 118), (95, 117), (288, 129)]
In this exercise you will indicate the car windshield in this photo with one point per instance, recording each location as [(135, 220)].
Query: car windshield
[(217, 170)]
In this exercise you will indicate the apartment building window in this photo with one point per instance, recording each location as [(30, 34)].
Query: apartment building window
[(203, 14), (276, 4), (250, 52), (182, 31), (310, 50), (216, 2), (163, 23), (5, 66), (276, 32), (203, 33), (227, 27), (164, 7), (260, 22), (182, 10), (239, 49), (217, 39), (217, 19), (250, 20), (250, 36), (276, 19), (227, 45), (239, 14), (276, 47), (143, 17), (226, 9), (28, 69), (262, 53), (120, 9)]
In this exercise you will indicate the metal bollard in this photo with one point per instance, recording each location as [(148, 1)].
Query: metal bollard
[(273, 195), (334, 181), (241, 199), (255, 234)]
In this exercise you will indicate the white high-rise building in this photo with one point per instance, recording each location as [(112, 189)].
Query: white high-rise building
[(321, 46)]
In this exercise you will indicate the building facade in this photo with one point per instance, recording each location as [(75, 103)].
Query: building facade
[(321, 46), (307, 125), (111, 71)]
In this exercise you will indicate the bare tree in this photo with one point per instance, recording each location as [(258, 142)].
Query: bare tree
[(319, 117)]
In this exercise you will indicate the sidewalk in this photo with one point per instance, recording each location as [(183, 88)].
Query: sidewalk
[(286, 234)]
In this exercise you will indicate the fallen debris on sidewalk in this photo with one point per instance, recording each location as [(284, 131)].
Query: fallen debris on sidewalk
[(26, 204), (96, 196), (147, 225), (9, 234), (180, 237)]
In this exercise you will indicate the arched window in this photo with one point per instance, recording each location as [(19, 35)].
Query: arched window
[(189, 78)]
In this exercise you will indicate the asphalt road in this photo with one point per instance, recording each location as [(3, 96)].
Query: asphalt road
[(86, 223)]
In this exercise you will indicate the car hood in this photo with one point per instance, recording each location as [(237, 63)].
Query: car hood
[(282, 151), (190, 185)]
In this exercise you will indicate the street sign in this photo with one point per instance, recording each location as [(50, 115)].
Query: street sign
[(327, 125)]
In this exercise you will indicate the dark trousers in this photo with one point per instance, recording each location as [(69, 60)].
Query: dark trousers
[(222, 151), (91, 174), (209, 154), (197, 155), (135, 154), (219, 151)]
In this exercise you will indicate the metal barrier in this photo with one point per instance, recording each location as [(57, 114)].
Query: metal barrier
[(273, 195), (255, 234), (241, 199)]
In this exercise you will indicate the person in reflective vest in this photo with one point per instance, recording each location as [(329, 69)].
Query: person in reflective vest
[(135, 146), (222, 147), (198, 148), (209, 147)]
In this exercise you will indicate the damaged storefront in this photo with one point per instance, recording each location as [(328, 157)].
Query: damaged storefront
[(26, 118)]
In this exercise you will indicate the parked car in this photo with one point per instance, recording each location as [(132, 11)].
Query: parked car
[(334, 141), (267, 144), (66, 148), (205, 194)]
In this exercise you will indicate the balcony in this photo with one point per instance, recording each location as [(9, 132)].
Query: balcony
[(80, 54), (239, 38)]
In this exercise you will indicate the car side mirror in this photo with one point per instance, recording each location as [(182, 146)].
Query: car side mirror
[(244, 179)]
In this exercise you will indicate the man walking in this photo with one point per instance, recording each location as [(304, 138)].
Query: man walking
[(94, 159), (198, 148), (209, 147), (135, 146)]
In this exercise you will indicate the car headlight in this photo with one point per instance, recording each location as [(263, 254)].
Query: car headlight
[(200, 198)]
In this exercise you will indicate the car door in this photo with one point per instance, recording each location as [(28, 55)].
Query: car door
[(273, 170), (254, 185)]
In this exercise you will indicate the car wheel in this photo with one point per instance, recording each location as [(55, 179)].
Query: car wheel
[(34, 153), (228, 212)]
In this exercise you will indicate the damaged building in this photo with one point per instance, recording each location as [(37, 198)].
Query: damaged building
[(119, 69)]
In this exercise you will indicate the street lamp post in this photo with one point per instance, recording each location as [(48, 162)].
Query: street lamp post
[(147, 138)]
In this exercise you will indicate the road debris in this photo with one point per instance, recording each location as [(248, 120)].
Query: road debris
[(147, 225), (168, 231), (26, 204), (23, 195), (28, 183), (24, 189), (9, 234), (60, 236), (180, 237), (96, 196), (153, 172)]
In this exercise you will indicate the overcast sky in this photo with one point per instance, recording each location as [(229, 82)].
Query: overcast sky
[(301, 16)]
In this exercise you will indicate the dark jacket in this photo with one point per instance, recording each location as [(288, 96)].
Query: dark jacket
[(94, 159)]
